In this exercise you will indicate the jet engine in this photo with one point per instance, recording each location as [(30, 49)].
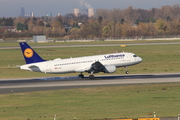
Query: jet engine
[(110, 69)]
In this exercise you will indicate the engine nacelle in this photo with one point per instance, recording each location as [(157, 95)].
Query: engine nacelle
[(110, 69)]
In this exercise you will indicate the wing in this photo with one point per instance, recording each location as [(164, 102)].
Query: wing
[(96, 67)]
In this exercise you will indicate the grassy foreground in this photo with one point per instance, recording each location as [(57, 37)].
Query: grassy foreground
[(125, 101), (156, 59)]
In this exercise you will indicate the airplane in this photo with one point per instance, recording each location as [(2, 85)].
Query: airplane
[(106, 63)]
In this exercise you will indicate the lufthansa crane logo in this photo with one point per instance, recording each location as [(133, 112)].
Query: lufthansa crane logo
[(28, 52)]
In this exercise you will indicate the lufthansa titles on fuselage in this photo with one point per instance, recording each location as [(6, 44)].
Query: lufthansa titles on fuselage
[(114, 56)]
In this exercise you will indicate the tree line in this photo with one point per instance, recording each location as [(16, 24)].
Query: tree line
[(114, 23)]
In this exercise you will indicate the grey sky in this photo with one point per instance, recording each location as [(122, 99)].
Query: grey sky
[(11, 8)]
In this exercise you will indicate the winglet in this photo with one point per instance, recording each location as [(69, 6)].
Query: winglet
[(29, 54)]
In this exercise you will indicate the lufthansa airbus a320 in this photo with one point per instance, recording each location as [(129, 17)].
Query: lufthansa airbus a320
[(106, 63)]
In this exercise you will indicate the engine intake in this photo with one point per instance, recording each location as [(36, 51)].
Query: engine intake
[(110, 69)]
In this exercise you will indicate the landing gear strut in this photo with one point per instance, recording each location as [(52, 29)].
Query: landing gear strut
[(127, 72), (91, 76), (81, 75)]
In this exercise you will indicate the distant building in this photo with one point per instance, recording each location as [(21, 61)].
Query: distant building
[(59, 14), (90, 12), (9, 28), (40, 38), (22, 13), (32, 14), (76, 12), (67, 27), (27, 15), (49, 14)]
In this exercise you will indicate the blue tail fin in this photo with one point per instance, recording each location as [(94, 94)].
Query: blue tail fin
[(29, 54)]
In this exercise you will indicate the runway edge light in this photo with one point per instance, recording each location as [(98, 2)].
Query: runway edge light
[(178, 116), (54, 117), (123, 45)]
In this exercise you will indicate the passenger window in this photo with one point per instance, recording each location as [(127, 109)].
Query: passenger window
[(134, 55)]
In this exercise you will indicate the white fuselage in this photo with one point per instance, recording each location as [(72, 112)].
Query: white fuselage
[(82, 64)]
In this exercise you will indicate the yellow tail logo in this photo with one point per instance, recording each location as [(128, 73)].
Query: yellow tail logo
[(28, 53)]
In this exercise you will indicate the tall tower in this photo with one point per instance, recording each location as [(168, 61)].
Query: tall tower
[(22, 14), (76, 12), (31, 14), (90, 12)]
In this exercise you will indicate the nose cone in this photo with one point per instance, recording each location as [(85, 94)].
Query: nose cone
[(140, 59)]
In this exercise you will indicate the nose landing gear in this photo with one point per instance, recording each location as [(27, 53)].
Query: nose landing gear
[(127, 72)]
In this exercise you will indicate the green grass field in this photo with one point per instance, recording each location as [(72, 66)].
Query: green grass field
[(124, 101), (156, 59)]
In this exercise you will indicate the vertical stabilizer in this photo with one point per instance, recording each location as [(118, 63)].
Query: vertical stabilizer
[(29, 54)]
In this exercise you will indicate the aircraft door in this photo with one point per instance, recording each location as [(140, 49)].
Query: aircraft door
[(48, 68)]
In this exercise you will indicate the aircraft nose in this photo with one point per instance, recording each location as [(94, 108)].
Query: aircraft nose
[(140, 59)]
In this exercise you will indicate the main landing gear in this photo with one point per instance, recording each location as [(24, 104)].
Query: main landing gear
[(81, 75), (90, 76)]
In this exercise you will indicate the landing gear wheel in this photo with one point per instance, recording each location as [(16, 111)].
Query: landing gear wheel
[(81, 76), (91, 76), (127, 72)]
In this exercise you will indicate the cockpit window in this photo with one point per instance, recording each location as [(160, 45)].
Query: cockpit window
[(134, 55)]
